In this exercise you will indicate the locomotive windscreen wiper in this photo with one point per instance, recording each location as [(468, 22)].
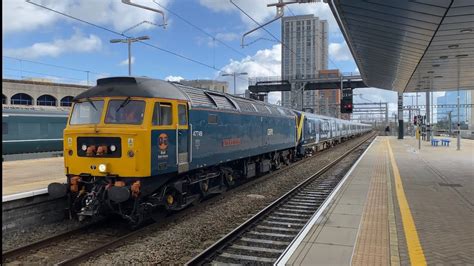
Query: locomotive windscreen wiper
[(92, 103), (123, 104)]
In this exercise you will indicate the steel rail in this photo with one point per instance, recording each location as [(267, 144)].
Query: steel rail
[(217, 248), (83, 256), (119, 241), (16, 252)]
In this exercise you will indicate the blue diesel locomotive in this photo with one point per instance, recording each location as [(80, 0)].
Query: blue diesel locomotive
[(134, 144)]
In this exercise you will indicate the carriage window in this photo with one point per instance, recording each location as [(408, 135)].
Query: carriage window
[(182, 115), (162, 114), (87, 112), (125, 112)]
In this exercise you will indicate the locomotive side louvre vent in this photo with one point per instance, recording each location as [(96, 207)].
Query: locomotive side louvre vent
[(198, 97), (262, 109), (245, 106), (222, 101), (274, 110), (282, 111)]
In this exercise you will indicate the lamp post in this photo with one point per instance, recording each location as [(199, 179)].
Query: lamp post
[(235, 74), (129, 42), (458, 99)]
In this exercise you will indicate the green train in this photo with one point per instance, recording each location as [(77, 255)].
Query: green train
[(32, 129)]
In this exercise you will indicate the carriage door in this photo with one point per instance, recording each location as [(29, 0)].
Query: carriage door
[(182, 136)]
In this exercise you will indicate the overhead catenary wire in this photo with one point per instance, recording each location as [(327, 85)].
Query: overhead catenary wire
[(214, 38), (126, 36), (51, 65), (45, 74), (272, 35)]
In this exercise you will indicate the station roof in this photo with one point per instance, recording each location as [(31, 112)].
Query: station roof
[(405, 45)]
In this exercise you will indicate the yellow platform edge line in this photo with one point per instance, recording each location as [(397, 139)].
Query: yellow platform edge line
[(415, 251)]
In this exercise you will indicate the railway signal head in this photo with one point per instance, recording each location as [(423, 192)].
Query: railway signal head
[(346, 106)]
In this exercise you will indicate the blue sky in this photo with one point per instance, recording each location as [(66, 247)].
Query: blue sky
[(39, 35)]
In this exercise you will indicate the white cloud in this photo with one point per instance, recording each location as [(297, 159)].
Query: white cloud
[(259, 10), (264, 63), (174, 78), (77, 43), (125, 62), (339, 52), (20, 16)]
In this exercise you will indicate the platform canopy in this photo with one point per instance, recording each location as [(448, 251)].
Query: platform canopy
[(404, 45)]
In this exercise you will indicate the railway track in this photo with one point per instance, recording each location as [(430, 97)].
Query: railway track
[(75, 246), (72, 246), (264, 237)]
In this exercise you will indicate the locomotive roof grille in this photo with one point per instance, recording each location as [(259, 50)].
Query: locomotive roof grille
[(154, 88)]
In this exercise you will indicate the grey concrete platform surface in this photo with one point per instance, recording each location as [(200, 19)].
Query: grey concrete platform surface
[(400, 205), (30, 175)]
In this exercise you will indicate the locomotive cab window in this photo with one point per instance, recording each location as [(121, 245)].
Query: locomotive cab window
[(162, 114), (87, 112), (182, 115), (125, 112)]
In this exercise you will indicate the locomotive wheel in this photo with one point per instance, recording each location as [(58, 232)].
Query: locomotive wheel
[(277, 163), (171, 199), (204, 186), (229, 179)]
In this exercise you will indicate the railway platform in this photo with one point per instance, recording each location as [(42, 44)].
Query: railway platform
[(27, 177), (399, 205)]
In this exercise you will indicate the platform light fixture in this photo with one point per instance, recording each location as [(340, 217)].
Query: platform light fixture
[(129, 42), (453, 46), (234, 74)]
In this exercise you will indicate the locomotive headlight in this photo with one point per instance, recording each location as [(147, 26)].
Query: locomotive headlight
[(102, 168), (84, 147), (113, 148)]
